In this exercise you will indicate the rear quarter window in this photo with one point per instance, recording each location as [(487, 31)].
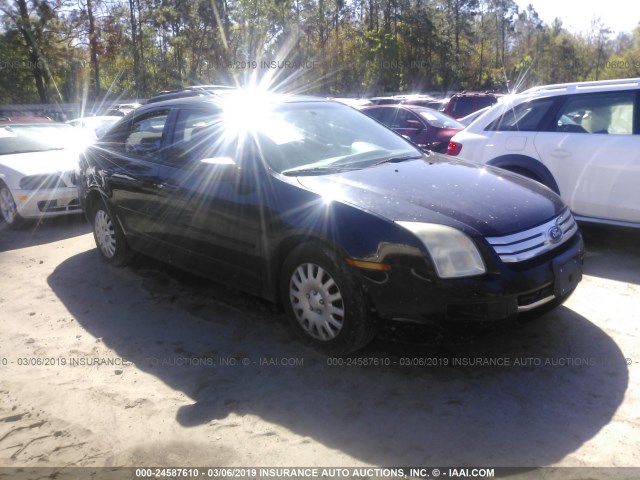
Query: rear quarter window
[(599, 113), (463, 106)]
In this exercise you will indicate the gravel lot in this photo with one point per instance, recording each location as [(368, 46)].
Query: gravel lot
[(146, 365)]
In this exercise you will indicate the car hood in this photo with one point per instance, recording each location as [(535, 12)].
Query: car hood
[(443, 190), (34, 163)]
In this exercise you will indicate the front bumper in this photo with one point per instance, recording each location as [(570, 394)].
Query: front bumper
[(410, 291), (47, 202)]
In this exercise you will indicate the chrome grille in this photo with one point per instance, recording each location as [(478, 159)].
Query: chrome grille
[(531, 243)]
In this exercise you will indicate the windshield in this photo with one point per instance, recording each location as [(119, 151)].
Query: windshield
[(437, 119), (300, 138), (34, 138)]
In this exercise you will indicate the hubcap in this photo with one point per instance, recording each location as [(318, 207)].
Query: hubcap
[(316, 301), (7, 206), (105, 234)]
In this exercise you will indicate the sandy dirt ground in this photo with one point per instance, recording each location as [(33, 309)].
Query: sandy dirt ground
[(145, 365)]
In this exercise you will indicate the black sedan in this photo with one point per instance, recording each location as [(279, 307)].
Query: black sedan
[(312, 204)]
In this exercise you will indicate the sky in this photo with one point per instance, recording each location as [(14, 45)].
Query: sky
[(576, 15)]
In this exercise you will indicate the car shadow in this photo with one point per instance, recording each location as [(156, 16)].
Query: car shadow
[(41, 232), (511, 396), (612, 253)]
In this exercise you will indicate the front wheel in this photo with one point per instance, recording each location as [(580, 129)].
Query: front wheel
[(110, 240), (8, 207), (325, 304)]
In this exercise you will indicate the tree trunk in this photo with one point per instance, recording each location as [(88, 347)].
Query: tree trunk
[(93, 50), (35, 55), (143, 75), (134, 42)]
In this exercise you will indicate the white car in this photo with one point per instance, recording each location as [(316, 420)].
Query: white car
[(37, 171), (94, 127), (581, 140)]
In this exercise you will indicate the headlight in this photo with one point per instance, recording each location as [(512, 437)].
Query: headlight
[(454, 253)]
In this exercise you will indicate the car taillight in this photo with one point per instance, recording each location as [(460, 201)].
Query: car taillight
[(454, 148)]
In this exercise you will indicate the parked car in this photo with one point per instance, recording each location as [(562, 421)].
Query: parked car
[(393, 100), (37, 171), (582, 140), (462, 104), (192, 91), (427, 128), (94, 127), (313, 204), (121, 109), (466, 121), (357, 103), (426, 101)]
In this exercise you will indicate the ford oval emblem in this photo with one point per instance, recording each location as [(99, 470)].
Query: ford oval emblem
[(555, 234)]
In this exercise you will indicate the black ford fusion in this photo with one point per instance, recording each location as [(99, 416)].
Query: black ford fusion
[(313, 204)]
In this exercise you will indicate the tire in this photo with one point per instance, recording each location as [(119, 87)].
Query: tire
[(110, 240), (325, 304), (8, 208)]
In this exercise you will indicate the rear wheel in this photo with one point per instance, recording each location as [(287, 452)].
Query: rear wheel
[(8, 207), (110, 240), (325, 304)]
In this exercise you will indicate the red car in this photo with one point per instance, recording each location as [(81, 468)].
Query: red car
[(427, 128), (465, 103)]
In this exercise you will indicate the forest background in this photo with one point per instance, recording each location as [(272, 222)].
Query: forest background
[(54, 51)]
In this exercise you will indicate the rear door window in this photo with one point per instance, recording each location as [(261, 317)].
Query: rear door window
[(608, 113)]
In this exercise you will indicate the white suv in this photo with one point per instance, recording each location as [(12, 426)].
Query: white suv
[(581, 140)]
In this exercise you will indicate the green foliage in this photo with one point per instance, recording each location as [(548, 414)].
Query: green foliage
[(329, 47)]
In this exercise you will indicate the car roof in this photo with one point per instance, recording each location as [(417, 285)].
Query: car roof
[(584, 87), (215, 101), (476, 94), (405, 106), (95, 117)]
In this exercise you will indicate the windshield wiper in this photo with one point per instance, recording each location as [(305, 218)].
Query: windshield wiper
[(293, 172), (398, 159)]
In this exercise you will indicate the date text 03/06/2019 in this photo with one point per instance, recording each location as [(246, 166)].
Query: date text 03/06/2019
[(371, 473)]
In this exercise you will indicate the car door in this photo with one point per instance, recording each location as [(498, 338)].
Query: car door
[(412, 127), (401, 121), (131, 170), (211, 207), (593, 151)]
